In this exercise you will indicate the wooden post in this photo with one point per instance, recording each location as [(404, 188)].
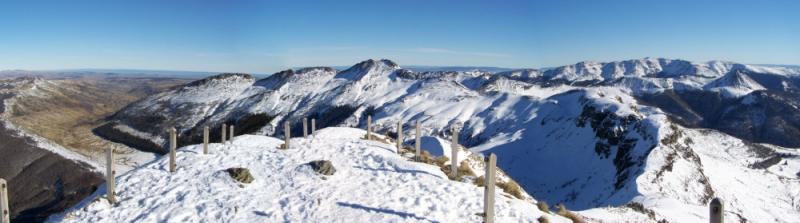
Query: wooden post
[(717, 211), (417, 142), (5, 211), (286, 134), (399, 135), (305, 127), (488, 192), (205, 140), (224, 129), (230, 134), (454, 154), (110, 181), (173, 145), (369, 127), (313, 126)]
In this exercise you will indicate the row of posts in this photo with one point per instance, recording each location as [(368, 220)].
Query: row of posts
[(716, 208), (287, 131), (173, 145), (454, 147), (491, 161)]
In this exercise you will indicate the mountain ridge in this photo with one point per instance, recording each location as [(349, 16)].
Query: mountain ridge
[(624, 127)]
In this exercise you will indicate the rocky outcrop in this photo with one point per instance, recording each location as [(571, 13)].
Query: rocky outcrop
[(324, 167), (242, 175)]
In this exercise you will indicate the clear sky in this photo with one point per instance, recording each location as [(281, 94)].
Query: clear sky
[(267, 36)]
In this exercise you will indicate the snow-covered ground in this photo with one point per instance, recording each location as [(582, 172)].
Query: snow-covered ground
[(371, 184), (576, 134)]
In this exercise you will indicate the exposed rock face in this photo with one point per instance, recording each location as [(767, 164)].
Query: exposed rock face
[(612, 132), (240, 174), (323, 167)]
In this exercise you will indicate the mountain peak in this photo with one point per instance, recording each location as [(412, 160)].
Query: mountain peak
[(371, 67), (220, 77), (373, 63)]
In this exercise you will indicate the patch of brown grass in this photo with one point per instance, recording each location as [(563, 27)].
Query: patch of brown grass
[(441, 161), (509, 187), (377, 138), (464, 171), (512, 188), (575, 218), (480, 181), (543, 206)]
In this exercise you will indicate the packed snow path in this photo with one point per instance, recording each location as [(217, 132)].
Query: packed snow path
[(371, 184)]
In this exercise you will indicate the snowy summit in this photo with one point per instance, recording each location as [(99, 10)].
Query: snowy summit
[(372, 183)]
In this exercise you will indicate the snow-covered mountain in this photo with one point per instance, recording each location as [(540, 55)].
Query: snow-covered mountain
[(590, 135)]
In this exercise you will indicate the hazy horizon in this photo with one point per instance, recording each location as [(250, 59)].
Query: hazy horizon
[(266, 36), (339, 67)]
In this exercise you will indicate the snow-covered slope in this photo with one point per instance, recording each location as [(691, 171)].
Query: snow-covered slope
[(371, 184), (576, 134), (734, 84), (596, 148)]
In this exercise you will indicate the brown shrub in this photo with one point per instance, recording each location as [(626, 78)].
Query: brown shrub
[(543, 219), (512, 188), (464, 169), (441, 161), (543, 206), (562, 210), (480, 181)]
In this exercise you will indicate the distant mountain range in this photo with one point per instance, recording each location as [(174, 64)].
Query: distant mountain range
[(106, 72), (654, 138)]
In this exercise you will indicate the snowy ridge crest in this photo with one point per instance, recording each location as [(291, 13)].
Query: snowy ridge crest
[(607, 147)]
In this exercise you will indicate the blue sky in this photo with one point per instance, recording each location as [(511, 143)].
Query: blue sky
[(267, 36)]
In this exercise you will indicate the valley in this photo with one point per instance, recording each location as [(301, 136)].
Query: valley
[(649, 139), (49, 154)]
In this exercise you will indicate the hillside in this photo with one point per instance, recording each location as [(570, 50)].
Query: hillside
[(371, 183), (589, 135), (43, 177), (49, 152)]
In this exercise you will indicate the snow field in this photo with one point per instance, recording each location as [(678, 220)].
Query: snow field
[(372, 184)]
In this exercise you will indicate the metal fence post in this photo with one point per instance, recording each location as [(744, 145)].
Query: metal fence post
[(369, 127), (173, 145), (399, 135), (224, 136), (5, 211), (286, 134), (205, 140), (417, 142), (717, 211), (454, 154), (488, 194), (305, 128), (230, 134), (110, 181), (313, 126)]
